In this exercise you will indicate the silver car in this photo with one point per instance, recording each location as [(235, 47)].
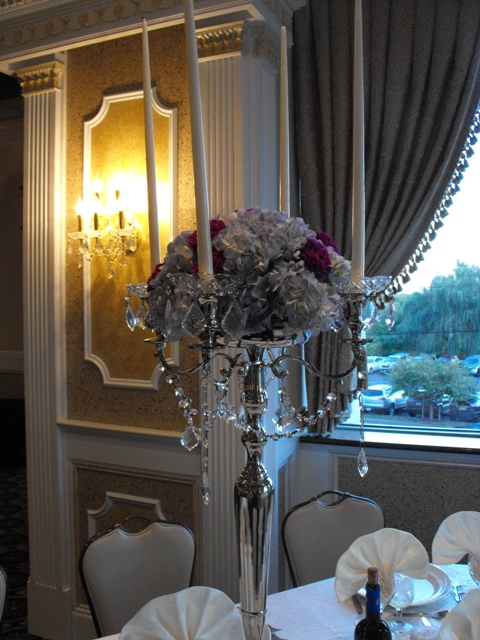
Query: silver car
[(379, 397), (374, 363), (473, 364)]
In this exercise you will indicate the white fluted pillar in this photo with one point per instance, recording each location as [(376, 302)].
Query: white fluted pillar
[(44, 342), (239, 89)]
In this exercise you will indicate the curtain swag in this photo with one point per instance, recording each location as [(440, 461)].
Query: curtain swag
[(442, 210)]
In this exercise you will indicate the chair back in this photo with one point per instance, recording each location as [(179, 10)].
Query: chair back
[(3, 596), (316, 534), (122, 570)]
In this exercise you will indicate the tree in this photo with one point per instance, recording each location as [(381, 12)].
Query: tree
[(441, 319), (432, 381)]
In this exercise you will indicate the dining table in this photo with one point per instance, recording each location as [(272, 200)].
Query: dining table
[(313, 612)]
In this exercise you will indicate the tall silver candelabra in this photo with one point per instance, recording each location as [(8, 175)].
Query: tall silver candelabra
[(259, 356)]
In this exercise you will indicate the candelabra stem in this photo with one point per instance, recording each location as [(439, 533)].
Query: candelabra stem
[(253, 497)]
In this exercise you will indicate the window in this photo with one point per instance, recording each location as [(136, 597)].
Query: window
[(424, 375)]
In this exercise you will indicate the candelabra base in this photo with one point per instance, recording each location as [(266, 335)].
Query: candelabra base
[(254, 497)]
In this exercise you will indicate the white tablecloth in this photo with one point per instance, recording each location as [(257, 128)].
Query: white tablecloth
[(314, 613)]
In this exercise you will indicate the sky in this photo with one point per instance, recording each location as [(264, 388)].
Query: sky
[(459, 238)]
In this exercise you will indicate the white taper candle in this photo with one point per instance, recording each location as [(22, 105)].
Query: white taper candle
[(284, 127), (358, 187), (155, 254), (205, 262)]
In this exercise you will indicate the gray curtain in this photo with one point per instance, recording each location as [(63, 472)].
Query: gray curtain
[(422, 90)]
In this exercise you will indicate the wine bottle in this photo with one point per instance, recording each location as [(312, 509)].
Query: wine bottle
[(372, 627)]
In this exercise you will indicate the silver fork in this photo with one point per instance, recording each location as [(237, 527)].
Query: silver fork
[(438, 615), (457, 590)]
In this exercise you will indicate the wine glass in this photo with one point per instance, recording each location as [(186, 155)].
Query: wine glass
[(402, 597), (474, 569), (387, 588)]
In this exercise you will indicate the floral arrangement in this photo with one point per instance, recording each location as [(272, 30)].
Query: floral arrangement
[(285, 275)]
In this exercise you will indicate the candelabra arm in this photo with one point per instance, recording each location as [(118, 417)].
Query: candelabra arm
[(160, 344), (277, 371)]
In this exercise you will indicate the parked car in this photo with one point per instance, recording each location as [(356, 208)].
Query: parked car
[(374, 363), (473, 364), (416, 405), (468, 410), (380, 397), (424, 356), (453, 359), (392, 360)]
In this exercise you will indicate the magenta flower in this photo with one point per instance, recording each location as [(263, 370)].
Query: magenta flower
[(215, 227), (327, 240), (316, 258)]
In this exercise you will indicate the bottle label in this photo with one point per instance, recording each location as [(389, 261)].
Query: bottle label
[(373, 599)]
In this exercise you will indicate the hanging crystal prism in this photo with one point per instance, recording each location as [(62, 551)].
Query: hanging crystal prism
[(140, 316), (286, 412), (390, 317), (372, 317), (362, 464), (194, 320), (129, 315), (233, 321), (189, 439)]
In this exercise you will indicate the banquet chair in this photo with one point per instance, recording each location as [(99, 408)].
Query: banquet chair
[(315, 534), (121, 570), (3, 596)]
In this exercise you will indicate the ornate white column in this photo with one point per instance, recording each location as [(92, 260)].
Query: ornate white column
[(44, 336), (239, 85)]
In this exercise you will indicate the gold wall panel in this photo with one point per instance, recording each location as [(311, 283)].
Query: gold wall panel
[(95, 71)]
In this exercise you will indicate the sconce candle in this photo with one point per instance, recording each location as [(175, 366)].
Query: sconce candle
[(155, 255), (284, 129), (205, 261), (358, 187), (79, 212)]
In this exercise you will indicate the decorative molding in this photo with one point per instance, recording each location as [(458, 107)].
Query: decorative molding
[(11, 361), (112, 498), (40, 77), (108, 381), (266, 45), (222, 41), (171, 115)]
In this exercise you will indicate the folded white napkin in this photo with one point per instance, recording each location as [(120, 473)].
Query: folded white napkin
[(389, 550), (198, 613), (463, 621), (457, 535)]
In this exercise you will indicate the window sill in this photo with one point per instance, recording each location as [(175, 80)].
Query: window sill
[(380, 438)]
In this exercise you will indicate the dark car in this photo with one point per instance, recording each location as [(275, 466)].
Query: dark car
[(416, 405), (473, 365), (453, 359), (467, 410)]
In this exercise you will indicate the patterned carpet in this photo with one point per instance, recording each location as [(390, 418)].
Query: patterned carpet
[(14, 551)]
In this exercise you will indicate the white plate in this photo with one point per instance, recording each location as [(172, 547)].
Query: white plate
[(432, 588)]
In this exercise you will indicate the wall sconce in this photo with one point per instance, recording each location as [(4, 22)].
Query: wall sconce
[(106, 224)]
